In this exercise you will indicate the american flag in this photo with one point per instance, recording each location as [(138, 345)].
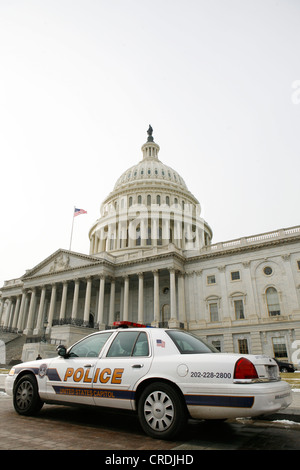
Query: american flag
[(160, 343), (79, 211)]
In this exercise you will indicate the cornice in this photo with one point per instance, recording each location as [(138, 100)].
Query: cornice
[(148, 186), (243, 249)]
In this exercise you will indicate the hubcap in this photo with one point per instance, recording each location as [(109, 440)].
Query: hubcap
[(159, 411), (24, 395)]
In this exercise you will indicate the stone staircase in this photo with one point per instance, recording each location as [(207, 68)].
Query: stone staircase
[(11, 347)]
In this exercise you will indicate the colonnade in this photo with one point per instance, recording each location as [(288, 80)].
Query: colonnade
[(37, 309), (118, 235)]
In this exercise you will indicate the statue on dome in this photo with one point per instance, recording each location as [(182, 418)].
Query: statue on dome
[(149, 132)]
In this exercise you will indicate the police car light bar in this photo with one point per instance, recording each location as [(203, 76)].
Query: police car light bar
[(128, 324)]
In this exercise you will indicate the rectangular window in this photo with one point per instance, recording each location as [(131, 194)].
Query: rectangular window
[(213, 311), (279, 348), (239, 309), (217, 345), (298, 263), (243, 346), (235, 275), (211, 279)]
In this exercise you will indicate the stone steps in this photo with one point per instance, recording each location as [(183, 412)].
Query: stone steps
[(11, 347)]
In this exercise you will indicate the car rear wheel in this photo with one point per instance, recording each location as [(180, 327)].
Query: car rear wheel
[(161, 410), (26, 397)]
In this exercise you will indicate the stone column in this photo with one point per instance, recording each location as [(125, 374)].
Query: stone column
[(1, 309), (173, 307), (141, 299), (62, 312), (126, 298), (16, 314), (101, 303), (250, 309), (156, 296), (181, 298), (29, 327), (7, 312), (52, 307), (39, 327), (290, 287), (10, 314), (87, 303), (225, 315), (22, 312), (112, 302), (75, 300), (24, 319)]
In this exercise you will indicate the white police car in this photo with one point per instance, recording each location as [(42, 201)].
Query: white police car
[(165, 375)]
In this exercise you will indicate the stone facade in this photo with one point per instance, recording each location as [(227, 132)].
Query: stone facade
[(151, 261)]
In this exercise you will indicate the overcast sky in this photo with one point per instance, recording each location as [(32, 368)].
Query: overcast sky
[(81, 80)]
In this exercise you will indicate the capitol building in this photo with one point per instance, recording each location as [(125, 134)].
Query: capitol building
[(152, 261)]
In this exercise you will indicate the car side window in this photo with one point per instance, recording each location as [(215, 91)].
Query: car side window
[(129, 343), (141, 347), (90, 346)]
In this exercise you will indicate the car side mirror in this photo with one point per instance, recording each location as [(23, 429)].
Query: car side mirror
[(62, 350)]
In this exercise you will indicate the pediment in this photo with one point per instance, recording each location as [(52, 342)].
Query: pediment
[(61, 260)]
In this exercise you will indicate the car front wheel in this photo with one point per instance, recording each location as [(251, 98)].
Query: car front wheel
[(26, 397), (161, 410)]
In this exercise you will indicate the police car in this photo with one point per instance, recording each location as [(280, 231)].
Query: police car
[(165, 375)]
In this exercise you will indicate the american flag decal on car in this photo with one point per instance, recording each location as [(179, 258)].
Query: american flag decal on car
[(160, 343)]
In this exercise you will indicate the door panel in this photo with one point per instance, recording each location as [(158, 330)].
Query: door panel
[(127, 361), (71, 377)]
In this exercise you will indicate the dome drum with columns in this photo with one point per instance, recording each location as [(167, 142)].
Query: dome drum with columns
[(151, 261)]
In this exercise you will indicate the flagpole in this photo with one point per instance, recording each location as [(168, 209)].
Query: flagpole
[(72, 229)]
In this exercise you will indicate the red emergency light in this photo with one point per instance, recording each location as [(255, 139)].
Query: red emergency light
[(128, 324)]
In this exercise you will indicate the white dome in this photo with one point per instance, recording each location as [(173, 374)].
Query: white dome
[(128, 214), (150, 169)]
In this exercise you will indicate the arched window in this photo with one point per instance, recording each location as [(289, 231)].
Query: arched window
[(272, 301)]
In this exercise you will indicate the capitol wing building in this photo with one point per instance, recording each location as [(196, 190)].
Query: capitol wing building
[(152, 261)]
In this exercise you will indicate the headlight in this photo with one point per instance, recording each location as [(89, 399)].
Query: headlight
[(12, 371)]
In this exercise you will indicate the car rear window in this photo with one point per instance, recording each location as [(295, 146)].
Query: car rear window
[(190, 344)]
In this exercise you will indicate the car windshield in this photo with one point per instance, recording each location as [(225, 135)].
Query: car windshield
[(190, 344)]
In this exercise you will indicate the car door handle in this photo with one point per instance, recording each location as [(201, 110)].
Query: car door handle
[(88, 365), (137, 366)]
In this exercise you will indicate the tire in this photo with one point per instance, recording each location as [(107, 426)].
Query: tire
[(26, 397), (161, 411)]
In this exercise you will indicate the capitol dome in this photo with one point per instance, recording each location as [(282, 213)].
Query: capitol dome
[(150, 205), (150, 169)]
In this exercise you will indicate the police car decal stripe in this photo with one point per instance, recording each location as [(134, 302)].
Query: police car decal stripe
[(95, 392), (53, 375), (213, 400), (35, 370)]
